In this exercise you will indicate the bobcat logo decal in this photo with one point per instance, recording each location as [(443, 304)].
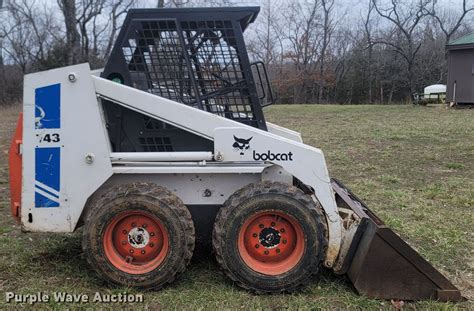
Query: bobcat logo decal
[(241, 144)]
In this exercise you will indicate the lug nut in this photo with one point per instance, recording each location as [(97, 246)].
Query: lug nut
[(124, 242), (254, 235), (261, 225), (273, 224), (133, 225), (143, 252), (151, 244), (278, 251), (284, 241), (152, 233), (265, 252), (124, 231), (144, 226), (131, 251), (257, 246), (282, 230)]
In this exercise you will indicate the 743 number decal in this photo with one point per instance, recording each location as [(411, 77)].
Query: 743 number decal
[(50, 138)]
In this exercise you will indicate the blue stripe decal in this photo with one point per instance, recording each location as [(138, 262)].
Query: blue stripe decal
[(48, 107), (44, 201), (48, 171), (47, 191)]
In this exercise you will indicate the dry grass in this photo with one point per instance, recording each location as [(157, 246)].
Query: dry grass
[(413, 165)]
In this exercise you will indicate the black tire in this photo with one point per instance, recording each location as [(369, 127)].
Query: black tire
[(154, 202), (272, 197)]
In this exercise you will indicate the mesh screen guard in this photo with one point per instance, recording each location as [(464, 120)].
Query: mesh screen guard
[(194, 56)]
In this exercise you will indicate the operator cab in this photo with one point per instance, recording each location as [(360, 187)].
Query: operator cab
[(194, 56)]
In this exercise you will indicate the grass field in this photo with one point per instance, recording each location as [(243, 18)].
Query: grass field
[(414, 166)]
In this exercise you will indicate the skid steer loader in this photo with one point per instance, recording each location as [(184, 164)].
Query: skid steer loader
[(168, 144)]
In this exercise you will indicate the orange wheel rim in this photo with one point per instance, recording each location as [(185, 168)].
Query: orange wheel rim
[(135, 242), (271, 242)]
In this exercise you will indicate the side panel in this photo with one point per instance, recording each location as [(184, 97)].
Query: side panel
[(65, 153), (192, 189)]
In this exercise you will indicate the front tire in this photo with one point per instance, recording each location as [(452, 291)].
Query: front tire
[(139, 235), (270, 237)]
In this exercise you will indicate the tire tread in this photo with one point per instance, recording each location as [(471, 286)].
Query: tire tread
[(261, 188)]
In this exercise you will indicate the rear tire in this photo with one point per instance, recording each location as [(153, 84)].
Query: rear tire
[(270, 237), (139, 235)]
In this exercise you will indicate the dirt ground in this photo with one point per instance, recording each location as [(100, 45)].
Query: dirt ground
[(414, 166)]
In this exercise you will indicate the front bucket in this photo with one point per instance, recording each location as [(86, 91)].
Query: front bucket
[(381, 265)]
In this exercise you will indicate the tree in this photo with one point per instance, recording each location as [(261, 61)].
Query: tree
[(2, 67), (28, 30), (370, 48), (118, 8), (172, 3), (311, 54), (405, 19), (87, 12), (265, 44), (302, 36), (328, 28), (446, 18), (73, 44)]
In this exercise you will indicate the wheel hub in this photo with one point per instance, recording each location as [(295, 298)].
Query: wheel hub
[(271, 242), (138, 237), (136, 242), (269, 237)]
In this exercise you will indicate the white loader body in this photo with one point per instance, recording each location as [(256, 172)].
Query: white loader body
[(67, 155)]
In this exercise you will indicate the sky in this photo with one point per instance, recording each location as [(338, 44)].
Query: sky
[(351, 8)]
